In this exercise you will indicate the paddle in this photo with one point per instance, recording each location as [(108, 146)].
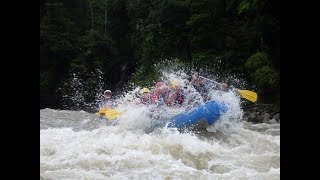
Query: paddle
[(249, 95)]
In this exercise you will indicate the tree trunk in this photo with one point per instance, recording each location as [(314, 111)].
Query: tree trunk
[(91, 15), (105, 21)]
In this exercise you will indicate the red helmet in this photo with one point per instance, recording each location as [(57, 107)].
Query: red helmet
[(158, 84)]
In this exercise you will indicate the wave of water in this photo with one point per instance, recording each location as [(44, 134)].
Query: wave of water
[(73, 145)]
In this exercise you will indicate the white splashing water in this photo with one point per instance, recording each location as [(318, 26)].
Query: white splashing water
[(76, 145), (76, 90)]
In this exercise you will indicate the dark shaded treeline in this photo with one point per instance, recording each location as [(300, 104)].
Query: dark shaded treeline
[(112, 39)]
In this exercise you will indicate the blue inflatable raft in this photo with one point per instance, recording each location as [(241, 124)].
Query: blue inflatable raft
[(208, 112)]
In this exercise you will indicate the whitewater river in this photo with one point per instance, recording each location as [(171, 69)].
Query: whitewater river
[(76, 145)]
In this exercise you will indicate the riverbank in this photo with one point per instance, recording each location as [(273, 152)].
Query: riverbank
[(262, 113)]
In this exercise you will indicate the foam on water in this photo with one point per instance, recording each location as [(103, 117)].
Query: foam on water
[(115, 152)]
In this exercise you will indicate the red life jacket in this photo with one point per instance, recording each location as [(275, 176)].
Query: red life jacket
[(154, 97)]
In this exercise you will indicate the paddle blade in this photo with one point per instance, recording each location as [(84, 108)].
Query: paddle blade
[(249, 95), (109, 113)]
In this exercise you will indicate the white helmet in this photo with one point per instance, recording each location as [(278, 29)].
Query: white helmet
[(107, 91)]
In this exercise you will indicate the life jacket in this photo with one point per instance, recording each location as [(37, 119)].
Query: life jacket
[(157, 98), (146, 99), (169, 95)]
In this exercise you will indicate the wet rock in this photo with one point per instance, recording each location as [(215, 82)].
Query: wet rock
[(272, 121), (265, 120), (253, 117), (272, 114), (246, 114), (259, 119), (266, 116), (259, 113)]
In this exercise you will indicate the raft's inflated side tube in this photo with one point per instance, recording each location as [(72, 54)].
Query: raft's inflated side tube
[(209, 112)]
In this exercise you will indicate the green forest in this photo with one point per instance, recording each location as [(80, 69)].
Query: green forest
[(117, 42)]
